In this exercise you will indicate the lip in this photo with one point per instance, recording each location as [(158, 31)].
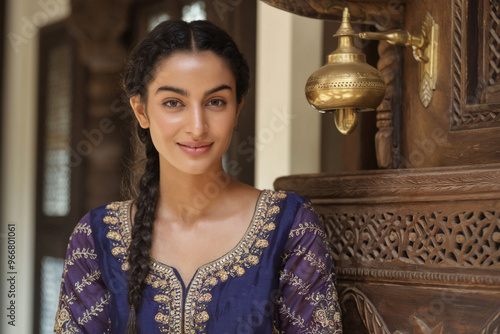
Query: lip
[(195, 148)]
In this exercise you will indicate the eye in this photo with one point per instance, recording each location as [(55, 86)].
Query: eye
[(216, 103), (172, 104)]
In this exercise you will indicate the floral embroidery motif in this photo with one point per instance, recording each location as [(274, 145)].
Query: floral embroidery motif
[(295, 320), (94, 310), (307, 227), (296, 281), (64, 324), (325, 315), (169, 298), (119, 231)]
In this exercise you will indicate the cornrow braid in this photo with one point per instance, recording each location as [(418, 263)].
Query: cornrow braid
[(142, 230)]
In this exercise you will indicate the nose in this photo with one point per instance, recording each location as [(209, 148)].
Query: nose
[(196, 122)]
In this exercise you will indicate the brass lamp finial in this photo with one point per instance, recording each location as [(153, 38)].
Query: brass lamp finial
[(346, 84)]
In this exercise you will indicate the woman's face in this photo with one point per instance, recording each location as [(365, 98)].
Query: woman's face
[(191, 110)]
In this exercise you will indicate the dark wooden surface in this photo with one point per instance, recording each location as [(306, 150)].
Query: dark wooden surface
[(381, 13), (458, 127), (416, 250), (417, 245)]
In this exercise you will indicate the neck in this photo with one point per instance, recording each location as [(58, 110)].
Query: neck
[(191, 198)]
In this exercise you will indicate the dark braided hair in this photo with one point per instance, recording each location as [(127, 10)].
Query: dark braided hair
[(168, 37)]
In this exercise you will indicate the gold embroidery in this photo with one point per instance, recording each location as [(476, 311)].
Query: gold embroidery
[(304, 227), (118, 250), (308, 205), (295, 320), (253, 259), (162, 277), (114, 236), (223, 276), (116, 219), (168, 297), (94, 310), (202, 317), (325, 317), (63, 323), (296, 281), (87, 280), (161, 318), (262, 243), (81, 253), (83, 228), (161, 298), (206, 298), (326, 312)]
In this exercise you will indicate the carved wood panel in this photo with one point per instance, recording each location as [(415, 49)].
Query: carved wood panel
[(416, 251), (460, 126), (476, 59)]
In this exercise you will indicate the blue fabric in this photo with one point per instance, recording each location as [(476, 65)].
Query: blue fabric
[(279, 276)]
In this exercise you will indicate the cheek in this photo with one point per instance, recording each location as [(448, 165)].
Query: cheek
[(225, 124)]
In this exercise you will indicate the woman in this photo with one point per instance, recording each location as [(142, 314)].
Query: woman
[(195, 252)]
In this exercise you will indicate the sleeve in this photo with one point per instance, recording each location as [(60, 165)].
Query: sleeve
[(84, 299), (308, 301)]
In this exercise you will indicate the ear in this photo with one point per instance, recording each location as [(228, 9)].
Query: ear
[(139, 108), (238, 110)]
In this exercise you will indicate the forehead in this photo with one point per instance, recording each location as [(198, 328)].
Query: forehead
[(193, 69)]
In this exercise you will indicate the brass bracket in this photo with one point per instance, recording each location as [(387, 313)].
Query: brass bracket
[(425, 49)]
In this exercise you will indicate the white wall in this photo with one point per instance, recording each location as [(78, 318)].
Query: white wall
[(289, 50), (19, 126)]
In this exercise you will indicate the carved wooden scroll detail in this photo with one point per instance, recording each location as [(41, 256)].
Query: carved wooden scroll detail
[(368, 312), (492, 326), (374, 322)]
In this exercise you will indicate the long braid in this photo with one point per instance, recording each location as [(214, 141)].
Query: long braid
[(142, 230)]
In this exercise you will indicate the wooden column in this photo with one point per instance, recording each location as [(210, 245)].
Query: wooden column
[(98, 26)]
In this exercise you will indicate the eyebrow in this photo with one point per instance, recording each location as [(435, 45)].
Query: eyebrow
[(185, 93), (172, 89), (216, 89)]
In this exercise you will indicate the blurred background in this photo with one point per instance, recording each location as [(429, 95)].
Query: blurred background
[(65, 124)]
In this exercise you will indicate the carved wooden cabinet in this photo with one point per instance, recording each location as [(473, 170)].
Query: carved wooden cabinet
[(417, 242), (416, 251)]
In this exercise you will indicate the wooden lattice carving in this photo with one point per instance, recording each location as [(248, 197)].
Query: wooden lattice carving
[(462, 239)]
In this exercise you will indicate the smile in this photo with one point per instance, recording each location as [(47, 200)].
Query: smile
[(195, 149)]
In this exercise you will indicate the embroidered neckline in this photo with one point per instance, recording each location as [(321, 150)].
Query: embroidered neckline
[(155, 264), (162, 277)]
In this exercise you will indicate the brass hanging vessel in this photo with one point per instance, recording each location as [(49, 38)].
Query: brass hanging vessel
[(346, 84)]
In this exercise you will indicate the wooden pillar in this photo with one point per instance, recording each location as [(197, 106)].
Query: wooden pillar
[(98, 26)]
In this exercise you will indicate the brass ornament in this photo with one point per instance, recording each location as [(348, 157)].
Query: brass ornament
[(346, 84), (425, 49)]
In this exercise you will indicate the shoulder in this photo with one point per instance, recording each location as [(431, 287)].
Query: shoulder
[(111, 207), (111, 212), (291, 201), (99, 218)]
